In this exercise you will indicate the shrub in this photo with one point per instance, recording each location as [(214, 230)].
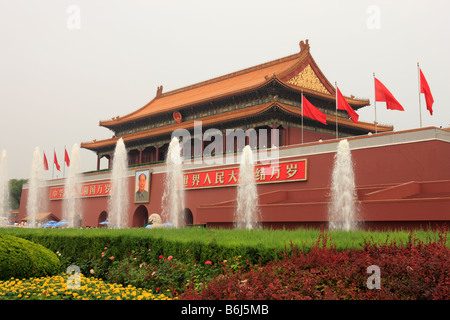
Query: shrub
[(312, 266), (165, 273), (411, 270), (23, 259), (79, 247)]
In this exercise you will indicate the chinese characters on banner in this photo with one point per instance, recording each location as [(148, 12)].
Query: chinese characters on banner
[(281, 172), (88, 190)]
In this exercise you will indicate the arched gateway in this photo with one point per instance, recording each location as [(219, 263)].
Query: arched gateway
[(140, 217)]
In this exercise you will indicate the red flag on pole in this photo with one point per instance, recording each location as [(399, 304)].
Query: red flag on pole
[(66, 157), (382, 94), (45, 163), (312, 112), (342, 104), (55, 161), (425, 89)]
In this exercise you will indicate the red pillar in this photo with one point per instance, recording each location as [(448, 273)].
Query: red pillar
[(283, 136), (274, 138), (286, 136), (224, 142)]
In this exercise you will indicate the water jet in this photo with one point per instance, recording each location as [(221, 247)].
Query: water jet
[(342, 209), (4, 189), (172, 206), (247, 212), (36, 196), (118, 201), (72, 206)]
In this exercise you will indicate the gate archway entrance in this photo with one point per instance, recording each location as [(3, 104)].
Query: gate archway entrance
[(188, 217), (140, 217), (102, 218)]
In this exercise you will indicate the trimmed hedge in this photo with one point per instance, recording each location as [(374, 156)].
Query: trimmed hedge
[(81, 246), (20, 258), (416, 270)]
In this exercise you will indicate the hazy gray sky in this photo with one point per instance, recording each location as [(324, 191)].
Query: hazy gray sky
[(67, 64)]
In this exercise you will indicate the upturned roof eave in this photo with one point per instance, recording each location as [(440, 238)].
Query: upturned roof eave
[(230, 116), (130, 117)]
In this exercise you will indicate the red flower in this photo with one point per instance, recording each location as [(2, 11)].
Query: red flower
[(169, 258), (208, 262), (161, 256)]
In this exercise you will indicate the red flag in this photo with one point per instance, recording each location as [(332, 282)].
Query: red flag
[(312, 112), (425, 89), (342, 104), (45, 162), (66, 158), (55, 161), (384, 95)]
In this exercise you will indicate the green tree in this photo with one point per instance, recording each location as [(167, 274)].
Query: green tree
[(15, 191)]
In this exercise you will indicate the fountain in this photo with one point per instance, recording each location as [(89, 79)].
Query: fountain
[(118, 201), (72, 206), (35, 201), (4, 190), (246, 215), (173, 198), (342, 209)]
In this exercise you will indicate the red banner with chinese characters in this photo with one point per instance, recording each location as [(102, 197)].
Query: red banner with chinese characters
[(88, 190), (280, 172)]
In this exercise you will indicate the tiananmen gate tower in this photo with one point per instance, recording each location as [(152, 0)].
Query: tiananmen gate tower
[(263, 96), (402, 178)]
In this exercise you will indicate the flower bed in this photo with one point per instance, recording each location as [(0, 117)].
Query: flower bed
[(411, 268), (170, 273), (56, 288), (81, 245), (414, 270)]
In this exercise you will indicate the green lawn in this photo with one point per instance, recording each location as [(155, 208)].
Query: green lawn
[(230, 238)]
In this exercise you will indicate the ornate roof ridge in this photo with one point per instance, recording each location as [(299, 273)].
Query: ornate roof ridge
[(231, 75), (281, 69), (214, 119), (160, 94)]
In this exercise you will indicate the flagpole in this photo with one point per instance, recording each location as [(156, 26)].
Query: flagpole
[(64, 168), (53, 166), (420, 104), (375, 104), (45, 160), (301, 104), (337, 134)]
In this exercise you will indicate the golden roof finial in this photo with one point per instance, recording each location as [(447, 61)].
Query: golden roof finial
[(159, 91), (304, 45)]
